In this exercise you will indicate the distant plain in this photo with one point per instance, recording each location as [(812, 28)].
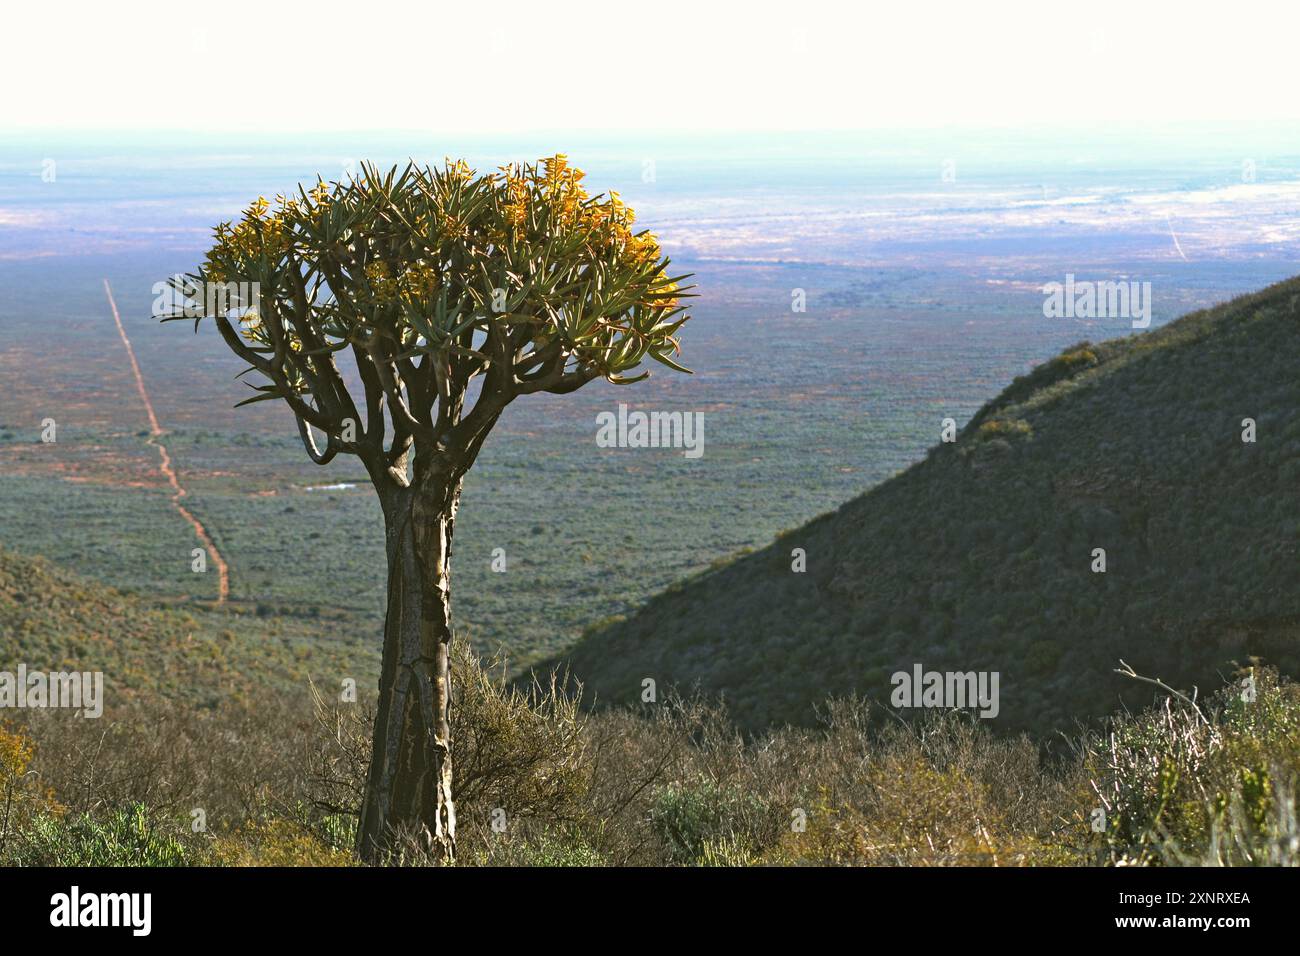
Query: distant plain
[(922, 258)]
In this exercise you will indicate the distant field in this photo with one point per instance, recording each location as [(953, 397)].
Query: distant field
[(801, 413), (923, 300)]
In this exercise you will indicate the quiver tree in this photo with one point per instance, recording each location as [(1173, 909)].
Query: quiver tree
[(397, 315)]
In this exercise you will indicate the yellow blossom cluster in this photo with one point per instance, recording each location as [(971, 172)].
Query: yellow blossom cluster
[(439, 232), (553, 191), (458, 170), (420, 282), (561, 188), (417, 283), (515, 209), (259, 233), (382, 284)]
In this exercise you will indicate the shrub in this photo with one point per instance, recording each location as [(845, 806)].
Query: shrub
[(1004, 428), (1211, 782), (279, 841), (22, 795), (1080, 357), (1185, 783), (129, 836), (700, 820), (518, 749), (547, 848)]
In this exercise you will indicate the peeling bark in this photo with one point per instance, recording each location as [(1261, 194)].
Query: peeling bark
[(408, 790)]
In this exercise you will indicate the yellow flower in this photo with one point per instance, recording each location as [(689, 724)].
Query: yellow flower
[(382, 285), (251, 327), (16, 752), (555, 167), (419, 283), (517, 197), (451, 228), (643, 246)]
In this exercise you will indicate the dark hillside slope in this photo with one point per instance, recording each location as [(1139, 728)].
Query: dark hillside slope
[(979, 557)]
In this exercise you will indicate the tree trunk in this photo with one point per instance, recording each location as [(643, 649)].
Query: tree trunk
[(408, 790)]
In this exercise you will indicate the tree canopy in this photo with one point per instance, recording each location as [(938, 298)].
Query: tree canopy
[(433, 280)]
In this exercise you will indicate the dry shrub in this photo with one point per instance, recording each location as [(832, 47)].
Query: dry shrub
[(520, 755), (276, 841), (1186, 783), (236, 762), (671, 783), (938, 791)]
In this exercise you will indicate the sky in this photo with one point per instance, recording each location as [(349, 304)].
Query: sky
[(503, 67)]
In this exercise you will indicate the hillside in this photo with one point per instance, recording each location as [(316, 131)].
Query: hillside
[(979, 557), (52, 619)]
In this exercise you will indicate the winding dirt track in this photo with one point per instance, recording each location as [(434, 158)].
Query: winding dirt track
[(165, 463)]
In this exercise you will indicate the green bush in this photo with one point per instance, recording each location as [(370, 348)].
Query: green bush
[(130, 836), (701, 820), (1004, 428)]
